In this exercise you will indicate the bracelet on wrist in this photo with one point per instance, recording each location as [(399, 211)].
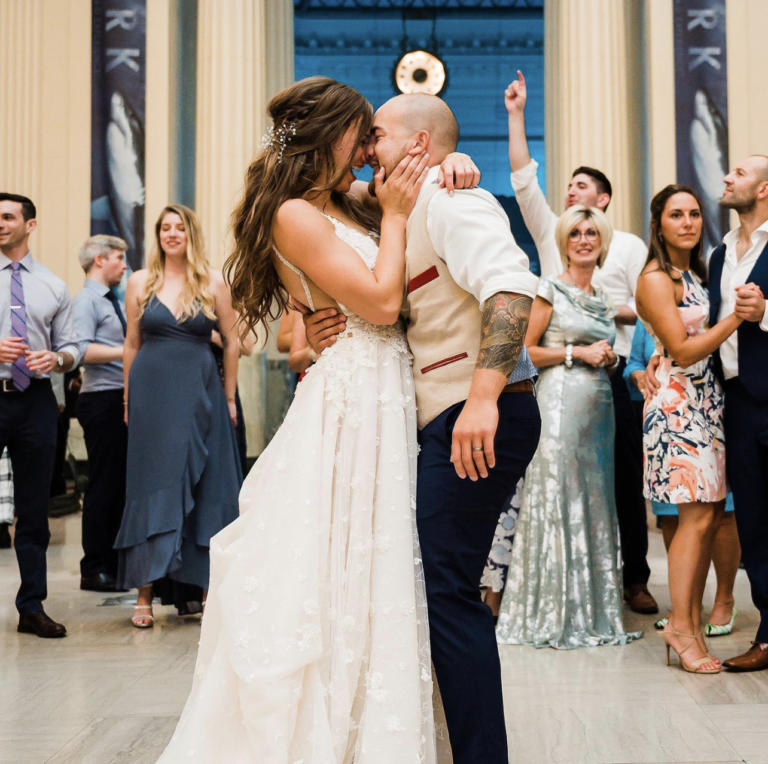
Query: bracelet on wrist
[(568, 356)]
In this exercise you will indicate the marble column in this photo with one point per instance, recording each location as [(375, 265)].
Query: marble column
[(593, 92), (244, 54)]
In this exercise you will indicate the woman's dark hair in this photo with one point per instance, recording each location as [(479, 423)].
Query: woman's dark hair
[(308, 120), (657, 248)]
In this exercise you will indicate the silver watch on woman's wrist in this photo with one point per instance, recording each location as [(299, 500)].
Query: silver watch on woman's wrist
[(568, 356)]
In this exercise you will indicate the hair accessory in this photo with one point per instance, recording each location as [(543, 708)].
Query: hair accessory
[(278, 138)]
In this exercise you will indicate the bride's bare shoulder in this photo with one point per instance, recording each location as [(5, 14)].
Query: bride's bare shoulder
[(294, 212)]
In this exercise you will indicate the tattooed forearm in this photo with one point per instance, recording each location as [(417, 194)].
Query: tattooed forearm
[(503, 326)]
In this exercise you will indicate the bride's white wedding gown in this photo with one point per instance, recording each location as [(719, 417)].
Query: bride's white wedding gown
[(314, 645)]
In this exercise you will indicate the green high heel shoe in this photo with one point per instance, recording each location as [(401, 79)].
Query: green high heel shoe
[(720, 629)]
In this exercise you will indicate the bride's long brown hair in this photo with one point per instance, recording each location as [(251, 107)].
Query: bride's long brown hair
[(308, 119)]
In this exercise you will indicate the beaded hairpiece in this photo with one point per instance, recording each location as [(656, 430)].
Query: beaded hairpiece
[(278, 138)]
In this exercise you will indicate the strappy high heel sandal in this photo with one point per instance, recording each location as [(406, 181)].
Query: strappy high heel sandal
[(696, 666), (142, 620)]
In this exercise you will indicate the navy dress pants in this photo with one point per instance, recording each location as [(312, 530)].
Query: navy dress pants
[(28, 429), (456, 521), (746, 453), (106, 440)]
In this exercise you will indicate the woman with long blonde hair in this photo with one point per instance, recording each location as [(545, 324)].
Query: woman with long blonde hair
[(183, 474)]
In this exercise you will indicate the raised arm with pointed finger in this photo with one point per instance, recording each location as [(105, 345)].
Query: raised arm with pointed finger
[(537, 214), (515, 97)]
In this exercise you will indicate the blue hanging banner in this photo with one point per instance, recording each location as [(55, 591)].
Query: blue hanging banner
[(118, 92), (701, 106)]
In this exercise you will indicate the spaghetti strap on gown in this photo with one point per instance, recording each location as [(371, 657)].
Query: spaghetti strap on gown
[(315, 643)]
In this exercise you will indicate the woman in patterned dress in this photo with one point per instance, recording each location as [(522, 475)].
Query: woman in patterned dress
[(683, 419)]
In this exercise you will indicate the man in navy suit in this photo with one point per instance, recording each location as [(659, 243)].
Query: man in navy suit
[(738, 281)]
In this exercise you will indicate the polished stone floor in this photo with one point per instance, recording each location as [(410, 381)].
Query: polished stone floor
[(110, 693)]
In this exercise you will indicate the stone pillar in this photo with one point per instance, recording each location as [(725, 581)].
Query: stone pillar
[(593, 96), (244, 54)]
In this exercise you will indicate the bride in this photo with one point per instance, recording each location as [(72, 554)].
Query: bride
[(314, 643)]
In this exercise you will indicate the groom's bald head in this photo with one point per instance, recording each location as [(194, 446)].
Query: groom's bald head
[(414, 123)]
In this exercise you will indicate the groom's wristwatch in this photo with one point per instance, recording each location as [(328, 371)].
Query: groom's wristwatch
[(59, 362)]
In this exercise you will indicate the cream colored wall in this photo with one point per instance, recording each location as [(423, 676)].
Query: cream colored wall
[(591, 96), (160, 109), (746, 27), (45, 122)]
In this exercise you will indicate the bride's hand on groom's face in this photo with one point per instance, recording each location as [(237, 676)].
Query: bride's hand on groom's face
[(397, 192), (322, 328), (458, 171)]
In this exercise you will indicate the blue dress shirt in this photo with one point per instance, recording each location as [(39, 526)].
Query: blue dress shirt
[(96, 321)]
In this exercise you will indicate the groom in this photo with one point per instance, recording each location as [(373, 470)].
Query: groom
[(469, 294)]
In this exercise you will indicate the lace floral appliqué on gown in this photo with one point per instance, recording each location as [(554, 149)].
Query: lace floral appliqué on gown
[(314, 642)]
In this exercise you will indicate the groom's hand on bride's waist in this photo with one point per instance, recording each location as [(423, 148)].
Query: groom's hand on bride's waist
[(322, 326)]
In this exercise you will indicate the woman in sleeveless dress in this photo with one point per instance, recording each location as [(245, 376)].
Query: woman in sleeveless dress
[(563, 587), (183, 474), (314, 642), (683, 419)]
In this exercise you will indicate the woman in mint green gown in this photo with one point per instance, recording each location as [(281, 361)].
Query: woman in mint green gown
[(564, 588)]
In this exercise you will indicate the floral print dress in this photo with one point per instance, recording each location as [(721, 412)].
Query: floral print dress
[(683, 441)]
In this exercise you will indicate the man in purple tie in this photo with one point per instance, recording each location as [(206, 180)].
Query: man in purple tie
[(36, 338)]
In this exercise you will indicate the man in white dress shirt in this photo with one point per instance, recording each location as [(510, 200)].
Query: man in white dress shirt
[(738, 281), (617, 278)]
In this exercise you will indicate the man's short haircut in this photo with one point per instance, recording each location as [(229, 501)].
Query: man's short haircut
[(28, 211), (101, 244), (601, 181)]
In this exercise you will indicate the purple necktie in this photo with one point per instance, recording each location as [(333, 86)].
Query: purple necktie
[(19, 370)]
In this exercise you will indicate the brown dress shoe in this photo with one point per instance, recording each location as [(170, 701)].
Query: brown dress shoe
[(41, 625), (640, 599), (755, 659)]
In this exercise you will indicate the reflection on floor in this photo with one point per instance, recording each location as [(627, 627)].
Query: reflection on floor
[(111, 693)]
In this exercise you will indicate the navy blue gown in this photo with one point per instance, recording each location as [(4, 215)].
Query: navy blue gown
[(183, 471)]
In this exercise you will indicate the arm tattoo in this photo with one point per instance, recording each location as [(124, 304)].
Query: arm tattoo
[(503, 326)]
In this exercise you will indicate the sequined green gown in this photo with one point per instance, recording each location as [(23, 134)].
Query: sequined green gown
[(563, 588)]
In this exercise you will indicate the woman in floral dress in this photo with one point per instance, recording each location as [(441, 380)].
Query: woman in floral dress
[(683, 418)]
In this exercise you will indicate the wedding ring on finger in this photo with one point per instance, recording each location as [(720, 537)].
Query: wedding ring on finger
[(477, 448)]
